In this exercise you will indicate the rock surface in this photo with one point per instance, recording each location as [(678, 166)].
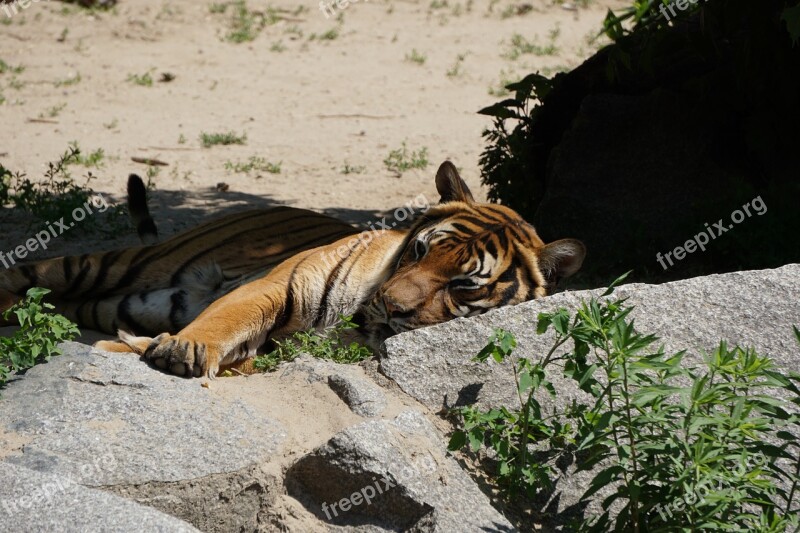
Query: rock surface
[(394, 475), (128, 441), (31, 501), (363, 398), (110, 421), (754, 308)]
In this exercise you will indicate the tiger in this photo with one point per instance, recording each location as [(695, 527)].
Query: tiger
[(211, 297)]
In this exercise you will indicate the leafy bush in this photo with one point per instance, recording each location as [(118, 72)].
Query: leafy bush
[(328, 345), (58, 195), (714, 439), (36, 339)]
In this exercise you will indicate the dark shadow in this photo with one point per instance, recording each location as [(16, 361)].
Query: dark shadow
[(468, 395)]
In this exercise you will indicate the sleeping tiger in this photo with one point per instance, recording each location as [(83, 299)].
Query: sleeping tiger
[(212, 296)]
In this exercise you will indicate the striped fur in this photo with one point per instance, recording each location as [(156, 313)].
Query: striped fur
[(163, 287), (460, 258)]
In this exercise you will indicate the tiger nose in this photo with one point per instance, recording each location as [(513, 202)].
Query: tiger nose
[(393, 308)]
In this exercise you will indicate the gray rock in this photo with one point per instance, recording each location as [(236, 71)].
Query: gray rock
[(363, 397), (754, 308), (31, 501), (109, 420), (391, 475)]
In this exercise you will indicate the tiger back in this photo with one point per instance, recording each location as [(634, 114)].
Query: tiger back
[(163, 287)]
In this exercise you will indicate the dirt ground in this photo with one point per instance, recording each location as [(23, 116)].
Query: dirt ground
[(325, 98)]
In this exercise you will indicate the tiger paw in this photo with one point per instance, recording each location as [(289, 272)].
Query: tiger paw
[(183, 356)]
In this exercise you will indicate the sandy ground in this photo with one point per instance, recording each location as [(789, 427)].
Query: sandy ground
[(325, 98)]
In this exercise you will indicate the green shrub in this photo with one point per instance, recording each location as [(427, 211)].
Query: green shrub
[(328, 345), (36, 339), (245, 24), (58, 195), (712, 441)]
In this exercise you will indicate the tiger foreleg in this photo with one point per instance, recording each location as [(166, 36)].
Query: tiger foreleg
[(227, 332)]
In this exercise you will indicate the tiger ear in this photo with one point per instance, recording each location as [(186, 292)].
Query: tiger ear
[(560, 259), (451, 186)]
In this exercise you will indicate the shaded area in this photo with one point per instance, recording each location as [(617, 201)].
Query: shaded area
[(661, 139)]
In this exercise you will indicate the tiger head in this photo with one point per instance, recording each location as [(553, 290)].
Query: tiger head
[(462, 258)]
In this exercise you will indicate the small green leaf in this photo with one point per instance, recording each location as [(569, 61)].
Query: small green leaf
[(457, 441)]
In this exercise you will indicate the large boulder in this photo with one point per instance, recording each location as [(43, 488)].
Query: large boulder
[(755, 309), (112, 444), (32, 501), (108, 421), (393, 475)]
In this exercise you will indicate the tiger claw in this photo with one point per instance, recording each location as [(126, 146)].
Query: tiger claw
[(183, 357)]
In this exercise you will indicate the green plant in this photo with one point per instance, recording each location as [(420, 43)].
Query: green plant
[(37, 337), (416, 57), (455, 70), (254, 163), (330, 35), (54, 111), (245, 24), (181, 139), (501, 89), (145, 80), (67, 82), (520, 46), (92, 159), (277, 47), (352, 169), (57, 196), (402, 159), (216, 8), (5, 67), (327, 345), (213, 139), (152, 172), (710, 440), (16, 84)]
